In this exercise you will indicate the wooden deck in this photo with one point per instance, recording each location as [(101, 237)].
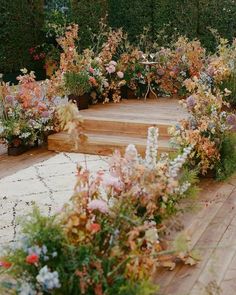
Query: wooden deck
[(11, 164), (111, 126), (212, 232)]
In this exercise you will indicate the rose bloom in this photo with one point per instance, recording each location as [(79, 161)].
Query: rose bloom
[(95, 227), (120, 74), (112, 62), (32, 258), (5, 264), (111, 69)]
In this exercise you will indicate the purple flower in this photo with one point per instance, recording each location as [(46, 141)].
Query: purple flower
[(191, 102), (231, 120), (160, 72), (179, 49), (45, 114), (9, 99)]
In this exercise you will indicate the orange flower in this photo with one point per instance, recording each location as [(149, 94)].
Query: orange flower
[(95, 227)]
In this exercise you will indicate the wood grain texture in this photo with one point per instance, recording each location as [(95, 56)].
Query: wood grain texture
[(114, 126), (12, 164)]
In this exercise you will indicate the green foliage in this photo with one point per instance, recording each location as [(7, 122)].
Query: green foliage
[(132, 16), (230, 84), (77, 83), (227, 164), (20, 24), (87, 15), (181, 17), (141, 288), (70, 262)]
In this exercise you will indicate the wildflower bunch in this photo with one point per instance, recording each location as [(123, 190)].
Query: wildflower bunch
[(206, 127), (26, 114)]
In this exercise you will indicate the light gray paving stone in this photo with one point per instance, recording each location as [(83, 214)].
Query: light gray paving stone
[(48, 185)]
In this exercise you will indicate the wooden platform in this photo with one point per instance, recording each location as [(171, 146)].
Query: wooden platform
[(212, 232), (114, 126), (10, 164)]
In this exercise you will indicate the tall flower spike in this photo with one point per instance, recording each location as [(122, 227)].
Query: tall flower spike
[(178, 162), (152, 147)]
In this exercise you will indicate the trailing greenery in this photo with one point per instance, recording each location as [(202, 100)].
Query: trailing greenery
[(227, 165)]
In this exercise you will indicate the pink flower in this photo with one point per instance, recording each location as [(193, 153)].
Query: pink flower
[(45, 114), (114, 182), (9, 99), (111, 69), (32, 258), (93, 81), (113, 63), (120, 74), (91, 70), (98, 205)]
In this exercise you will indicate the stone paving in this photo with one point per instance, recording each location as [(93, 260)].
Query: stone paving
[(48, 184)]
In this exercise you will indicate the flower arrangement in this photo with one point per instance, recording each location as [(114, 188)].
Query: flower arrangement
[(108, 239), (78, 74), (207, 127), (27, 116)]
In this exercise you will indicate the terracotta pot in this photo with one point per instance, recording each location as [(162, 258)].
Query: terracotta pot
[(16, 151), (81, 101)]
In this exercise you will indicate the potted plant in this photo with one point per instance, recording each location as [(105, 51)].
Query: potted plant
[(78, 87)]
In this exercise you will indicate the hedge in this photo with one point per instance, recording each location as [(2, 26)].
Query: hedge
[(21, 22), (20, 29)]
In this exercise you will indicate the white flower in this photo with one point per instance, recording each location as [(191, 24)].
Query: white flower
[(152, 147), (131, 154), (120, 74), (26, 289), (49, 280)]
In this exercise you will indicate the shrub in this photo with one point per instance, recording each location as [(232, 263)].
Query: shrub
[(20, 29), (227, 165)]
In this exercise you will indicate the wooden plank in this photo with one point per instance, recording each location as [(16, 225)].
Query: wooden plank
[(101, 144), (114, 126), (225, 249), (11, 164), (203, 232)]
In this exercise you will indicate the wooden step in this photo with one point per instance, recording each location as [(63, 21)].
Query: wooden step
[(102, 144), (127, 127)]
